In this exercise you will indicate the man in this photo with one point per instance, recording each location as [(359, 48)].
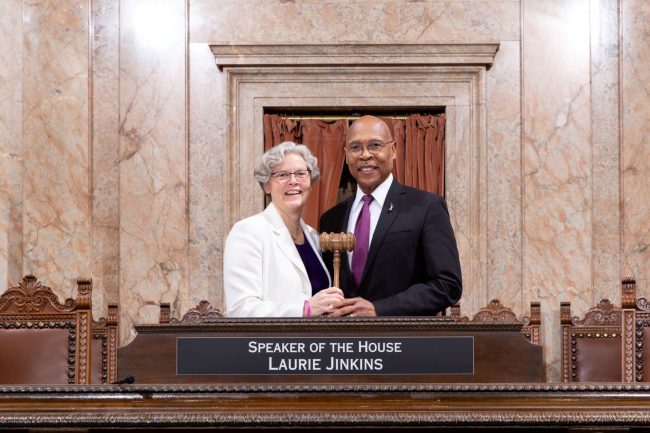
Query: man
[(405, 260)]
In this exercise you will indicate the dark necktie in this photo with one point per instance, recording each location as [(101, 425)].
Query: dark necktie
[(362, 240)]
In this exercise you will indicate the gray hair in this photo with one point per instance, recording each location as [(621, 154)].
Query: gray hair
[(275, 156)]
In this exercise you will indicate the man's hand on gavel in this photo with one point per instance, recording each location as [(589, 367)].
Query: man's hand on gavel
[(353, 307)]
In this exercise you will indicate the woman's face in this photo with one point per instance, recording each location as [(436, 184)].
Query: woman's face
[(289, 192)]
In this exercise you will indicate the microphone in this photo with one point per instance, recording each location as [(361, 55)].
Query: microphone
[(125, 380), (390, 209)]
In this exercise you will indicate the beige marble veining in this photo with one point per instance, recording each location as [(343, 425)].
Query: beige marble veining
[(557, 194), (344, 21), (11, 44), (152, 158), (547, 184), (206, 177), (105, 144), (56, 188), (605, 122), (504, 159), (635, 148)]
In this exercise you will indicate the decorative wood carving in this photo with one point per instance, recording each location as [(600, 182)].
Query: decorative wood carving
[(495, 312), (387, 323), (32, 297), (533, 324), (566, 354), (603, 314), (84, 348), (165, 313), (484, 407), (628, 292), (104, 354), (204, 312), (106, 330), (628, 289), (641, 311), (640, 324), (628, 346)]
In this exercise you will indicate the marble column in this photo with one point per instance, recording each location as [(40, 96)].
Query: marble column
[(635, 148), (605, 165), (152, 161), (56, 150), (11, 53), (105, 142), (557, 198)]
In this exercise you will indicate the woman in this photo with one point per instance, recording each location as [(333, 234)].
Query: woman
[(272, 263)]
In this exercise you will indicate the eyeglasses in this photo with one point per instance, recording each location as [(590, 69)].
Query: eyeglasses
[(374, 147), (284, 176)]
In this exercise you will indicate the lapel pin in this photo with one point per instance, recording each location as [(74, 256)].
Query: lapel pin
[(390, 208)]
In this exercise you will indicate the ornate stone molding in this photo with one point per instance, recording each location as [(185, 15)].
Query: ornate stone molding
[(354, 54), (363, 77)]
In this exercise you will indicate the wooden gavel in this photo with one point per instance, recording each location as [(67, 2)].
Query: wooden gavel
[(337, 242)]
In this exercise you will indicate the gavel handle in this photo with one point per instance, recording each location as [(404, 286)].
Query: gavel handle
[(337, 265)]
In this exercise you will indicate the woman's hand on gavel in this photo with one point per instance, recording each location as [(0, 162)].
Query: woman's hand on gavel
[(323, 302)]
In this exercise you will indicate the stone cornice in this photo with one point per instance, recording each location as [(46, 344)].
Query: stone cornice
[(354, 54)]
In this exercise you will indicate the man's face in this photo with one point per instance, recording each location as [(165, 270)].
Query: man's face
[(368, 162)]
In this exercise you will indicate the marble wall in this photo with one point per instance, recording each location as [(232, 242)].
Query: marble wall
[(11, 171), (113, 142), (57, 180), (152, 159)]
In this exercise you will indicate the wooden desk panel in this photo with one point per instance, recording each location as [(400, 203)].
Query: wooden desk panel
[(502, 353), (187, 407)]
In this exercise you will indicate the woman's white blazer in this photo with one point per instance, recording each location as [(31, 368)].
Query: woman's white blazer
[(263, 274)]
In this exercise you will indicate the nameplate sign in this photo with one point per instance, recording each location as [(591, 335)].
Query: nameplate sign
[(324, 355)]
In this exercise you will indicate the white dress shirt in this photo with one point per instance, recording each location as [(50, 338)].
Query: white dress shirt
[(376, 205)]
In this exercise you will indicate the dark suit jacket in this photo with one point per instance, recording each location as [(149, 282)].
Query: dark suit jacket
[(412, 266)]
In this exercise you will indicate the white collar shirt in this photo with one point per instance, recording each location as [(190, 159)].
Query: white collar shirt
[(376, 205)]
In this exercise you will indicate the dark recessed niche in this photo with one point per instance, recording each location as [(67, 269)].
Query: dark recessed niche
[(347, 184)]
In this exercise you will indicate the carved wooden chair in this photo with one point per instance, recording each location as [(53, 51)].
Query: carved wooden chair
[(592, 347), (636, 333), (495, 312), (104, 347), (45, 342), (204, 312)]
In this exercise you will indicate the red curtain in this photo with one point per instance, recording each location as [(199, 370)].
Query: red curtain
[(421, 152), (326, 141), (278, 129), (419, 145)]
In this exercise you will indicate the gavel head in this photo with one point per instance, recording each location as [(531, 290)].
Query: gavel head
[(337, 241)]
